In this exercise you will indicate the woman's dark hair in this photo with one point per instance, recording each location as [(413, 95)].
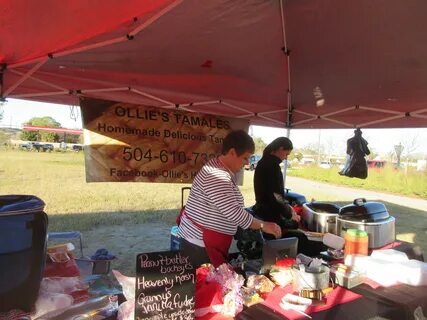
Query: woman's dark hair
[(240, 141), (283, 142)]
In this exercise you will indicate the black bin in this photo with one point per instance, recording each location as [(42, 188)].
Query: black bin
[(23, 239)]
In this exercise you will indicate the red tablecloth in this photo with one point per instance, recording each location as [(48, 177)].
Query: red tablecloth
[(214, 316), (338, 296)]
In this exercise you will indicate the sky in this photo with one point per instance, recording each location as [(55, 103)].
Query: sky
[(381, 141)]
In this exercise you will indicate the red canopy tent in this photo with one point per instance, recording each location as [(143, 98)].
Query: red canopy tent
[(283, 63)]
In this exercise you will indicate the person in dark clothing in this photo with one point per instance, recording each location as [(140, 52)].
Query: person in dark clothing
[(270, 195), (268, 184)]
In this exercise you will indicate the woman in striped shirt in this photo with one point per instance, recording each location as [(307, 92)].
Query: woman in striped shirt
[(215, 206)]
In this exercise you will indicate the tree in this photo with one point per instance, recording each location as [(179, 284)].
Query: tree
[(48, 122), (44, 122), (295, 155), (259, 145), (373, 154), (311, 149), (72, 138), (30, 135), (410, 145)]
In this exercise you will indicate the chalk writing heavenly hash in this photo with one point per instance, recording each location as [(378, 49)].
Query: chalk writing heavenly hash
[(166, 282), (147, 284)]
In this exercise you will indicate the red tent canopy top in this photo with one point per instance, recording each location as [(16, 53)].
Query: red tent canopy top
[(294, 63)]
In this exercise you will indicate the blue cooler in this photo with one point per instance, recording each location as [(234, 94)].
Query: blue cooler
[(175, 243), (23, 231)]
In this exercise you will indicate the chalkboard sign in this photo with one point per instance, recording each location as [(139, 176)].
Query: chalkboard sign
[(165, 285)]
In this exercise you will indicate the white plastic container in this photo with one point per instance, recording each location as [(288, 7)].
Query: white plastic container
[(383, 272), (390, 255), (333, 241), (358, 262), (413, 272), (294, 302)]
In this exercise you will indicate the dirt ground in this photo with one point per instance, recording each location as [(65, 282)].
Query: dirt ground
[(126, 240)]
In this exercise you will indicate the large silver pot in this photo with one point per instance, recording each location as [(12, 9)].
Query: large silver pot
[(380, 233), (320, 217)]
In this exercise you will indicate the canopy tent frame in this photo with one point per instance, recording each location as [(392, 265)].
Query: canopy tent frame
[(291, 112), (129, 36)]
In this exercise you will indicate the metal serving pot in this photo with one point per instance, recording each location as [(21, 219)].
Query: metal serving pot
[(320, 216), (371, 217), (380, 233)]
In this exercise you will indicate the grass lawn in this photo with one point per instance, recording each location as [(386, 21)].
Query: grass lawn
[(71, 203), (388, 179)]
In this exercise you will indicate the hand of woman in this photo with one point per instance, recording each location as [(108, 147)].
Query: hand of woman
[(272, 228), (295, 216)]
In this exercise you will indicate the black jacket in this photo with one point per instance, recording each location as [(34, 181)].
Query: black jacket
[(269, 191)]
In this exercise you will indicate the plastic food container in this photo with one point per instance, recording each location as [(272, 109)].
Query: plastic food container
[(291, 301), (302, 279), (356, 242)]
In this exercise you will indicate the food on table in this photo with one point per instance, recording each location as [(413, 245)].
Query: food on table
[(260, 283)]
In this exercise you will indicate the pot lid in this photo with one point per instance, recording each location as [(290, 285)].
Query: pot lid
[(362, 207)]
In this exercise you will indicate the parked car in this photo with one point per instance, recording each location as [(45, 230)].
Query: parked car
[(47, 147), (26, 146), (253, 161), (325, 164), (77, 147), (44, 147)]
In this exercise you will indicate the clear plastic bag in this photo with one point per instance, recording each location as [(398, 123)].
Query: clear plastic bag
[(126, 310)]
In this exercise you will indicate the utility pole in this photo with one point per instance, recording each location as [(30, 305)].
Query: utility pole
[(398, 148), (318, 148)]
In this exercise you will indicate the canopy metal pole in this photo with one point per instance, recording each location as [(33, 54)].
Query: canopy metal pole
[(286, 51), (285, 162), (25, 76), (38, 80), (2, 69)]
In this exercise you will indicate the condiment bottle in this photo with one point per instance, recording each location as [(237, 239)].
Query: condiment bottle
[(356, 242)]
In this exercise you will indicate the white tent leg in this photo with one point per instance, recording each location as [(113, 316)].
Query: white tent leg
[(285, 162)]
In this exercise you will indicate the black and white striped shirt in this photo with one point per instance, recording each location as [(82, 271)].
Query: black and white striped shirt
[(215, 202)]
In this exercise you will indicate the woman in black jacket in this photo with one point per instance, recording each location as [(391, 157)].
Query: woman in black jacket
[(270, 195), (269, 187)]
